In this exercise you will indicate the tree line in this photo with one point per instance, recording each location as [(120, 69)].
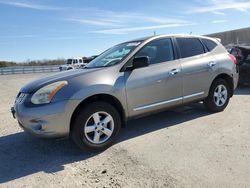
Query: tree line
[(32, 63)]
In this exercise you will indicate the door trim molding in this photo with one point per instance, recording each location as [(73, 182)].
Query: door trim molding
[(193, 95), (167, 102)]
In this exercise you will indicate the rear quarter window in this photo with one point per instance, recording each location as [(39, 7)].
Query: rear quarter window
[(209, 44), (190, 47)]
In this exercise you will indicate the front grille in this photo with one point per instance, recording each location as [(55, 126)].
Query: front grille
[(20, 98)]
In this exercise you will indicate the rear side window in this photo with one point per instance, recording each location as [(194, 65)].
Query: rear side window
[(209, 44), (190, 47)]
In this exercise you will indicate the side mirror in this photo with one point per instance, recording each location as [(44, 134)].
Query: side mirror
[(140, 62)]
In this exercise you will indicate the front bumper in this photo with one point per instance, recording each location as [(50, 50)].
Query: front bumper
[(46, 121)]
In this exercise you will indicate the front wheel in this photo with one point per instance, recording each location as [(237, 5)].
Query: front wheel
[(218, 97), (96, 126)]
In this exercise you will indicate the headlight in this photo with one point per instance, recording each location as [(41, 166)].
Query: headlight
[(46, 93)]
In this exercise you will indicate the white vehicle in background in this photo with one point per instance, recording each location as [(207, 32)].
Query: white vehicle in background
[(73, 63)]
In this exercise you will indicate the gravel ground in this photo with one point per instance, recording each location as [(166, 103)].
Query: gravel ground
[(183, 147)]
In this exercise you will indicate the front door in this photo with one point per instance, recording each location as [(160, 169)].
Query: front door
[(157, 86)]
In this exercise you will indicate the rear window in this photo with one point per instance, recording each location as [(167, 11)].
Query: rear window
[(69, 61), (234, 52), (209, 44), (248, 58), (190, 47)]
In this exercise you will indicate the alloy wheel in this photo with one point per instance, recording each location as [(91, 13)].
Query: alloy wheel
[(99, 127), (220, 95)]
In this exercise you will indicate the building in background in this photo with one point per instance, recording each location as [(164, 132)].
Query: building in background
[(234, 37)]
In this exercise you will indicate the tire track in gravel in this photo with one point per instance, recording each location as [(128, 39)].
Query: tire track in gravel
[(119, 169)]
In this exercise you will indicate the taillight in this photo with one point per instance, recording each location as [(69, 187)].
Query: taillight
[(233, 59)]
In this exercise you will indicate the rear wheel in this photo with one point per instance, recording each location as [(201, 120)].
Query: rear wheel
[(96, 126), (218, 97)]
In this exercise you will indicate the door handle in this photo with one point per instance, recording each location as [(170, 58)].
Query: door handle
[(174, 71), (211, 64)]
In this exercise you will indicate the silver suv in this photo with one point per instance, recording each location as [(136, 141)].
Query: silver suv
[(131, 79)]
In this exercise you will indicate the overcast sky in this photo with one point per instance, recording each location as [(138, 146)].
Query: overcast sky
[(44, 29)]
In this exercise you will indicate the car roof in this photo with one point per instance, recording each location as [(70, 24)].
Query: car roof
[(173, 35)]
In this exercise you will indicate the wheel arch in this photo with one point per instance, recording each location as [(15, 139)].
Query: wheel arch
[(100, 97), (229, 80)]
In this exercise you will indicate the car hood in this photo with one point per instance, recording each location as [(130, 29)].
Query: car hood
[(62, 76)]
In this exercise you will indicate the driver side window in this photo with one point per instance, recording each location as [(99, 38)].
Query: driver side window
[(158, 51)]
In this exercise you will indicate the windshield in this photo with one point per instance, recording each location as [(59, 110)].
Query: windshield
[(69, 61), (113, 55)]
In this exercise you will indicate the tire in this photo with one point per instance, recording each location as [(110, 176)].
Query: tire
[(219, 96), (96, 126)]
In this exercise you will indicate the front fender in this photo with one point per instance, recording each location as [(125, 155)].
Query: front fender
[(89, 91), (116, 90)]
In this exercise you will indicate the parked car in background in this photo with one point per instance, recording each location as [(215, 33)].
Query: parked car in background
[(242, 54), (73, 63), (129, 80), (89, 59)]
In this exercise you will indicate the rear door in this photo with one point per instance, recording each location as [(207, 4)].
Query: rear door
[(157, 86), (198, 67)]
